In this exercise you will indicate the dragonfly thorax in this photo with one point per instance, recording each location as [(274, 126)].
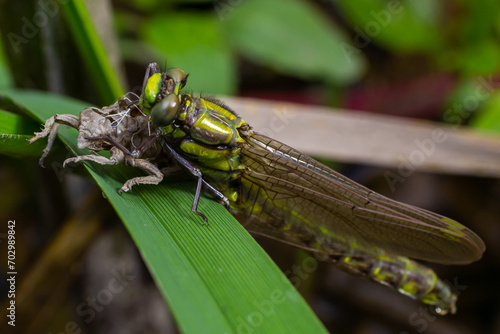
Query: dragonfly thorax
[(186, 115)]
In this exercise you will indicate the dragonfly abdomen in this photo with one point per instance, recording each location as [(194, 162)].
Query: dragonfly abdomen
[(407, 276)]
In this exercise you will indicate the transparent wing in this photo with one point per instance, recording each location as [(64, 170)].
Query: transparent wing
[(290, 196)]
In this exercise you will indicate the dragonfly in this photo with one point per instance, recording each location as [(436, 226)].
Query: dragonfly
[(276, 191)]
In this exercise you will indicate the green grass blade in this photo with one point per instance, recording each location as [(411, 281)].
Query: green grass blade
[(215, 277), (92, 51), (15, 131)]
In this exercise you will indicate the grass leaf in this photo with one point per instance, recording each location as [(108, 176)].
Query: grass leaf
[(92, 51), (15, 131)]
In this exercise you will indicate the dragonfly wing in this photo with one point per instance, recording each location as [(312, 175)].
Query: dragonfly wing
[(292, 197)]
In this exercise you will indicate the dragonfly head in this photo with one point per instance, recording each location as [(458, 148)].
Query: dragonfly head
[(158, 85), (164, 109)]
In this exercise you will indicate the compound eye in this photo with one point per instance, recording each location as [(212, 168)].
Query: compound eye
[(165, 111), (178, 76)]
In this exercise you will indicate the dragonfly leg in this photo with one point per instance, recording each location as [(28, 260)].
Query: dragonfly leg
[(175, 172), (192, 169), (194, 208), (217, 194)]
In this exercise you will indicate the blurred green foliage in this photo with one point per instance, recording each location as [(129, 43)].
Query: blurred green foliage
[(294, 38), (456, 37), (5, 76), (194, 42), (406, 26), (291, 37), (337, 43)]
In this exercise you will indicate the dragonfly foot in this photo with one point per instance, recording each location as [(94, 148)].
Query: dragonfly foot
[(205, 219)]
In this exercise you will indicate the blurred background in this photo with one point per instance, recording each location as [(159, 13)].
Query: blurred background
[(423, 59)]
